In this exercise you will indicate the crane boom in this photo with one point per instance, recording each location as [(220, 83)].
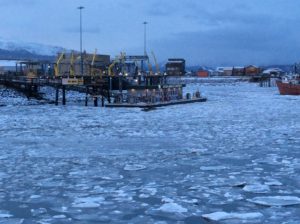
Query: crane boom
[(56, 65), (156, 64)]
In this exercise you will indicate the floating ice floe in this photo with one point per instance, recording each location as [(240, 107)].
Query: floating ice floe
[(38, 211), (59, 216), (239, 184), (257, 188), (134, 167), (172, 208), (212, 168), (112, 177), (218, 216), (5, 214), (88, 202), (276, 200), (273, 183), (35, 196)]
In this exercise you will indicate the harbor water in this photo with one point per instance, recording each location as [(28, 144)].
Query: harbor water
[(233, 159)]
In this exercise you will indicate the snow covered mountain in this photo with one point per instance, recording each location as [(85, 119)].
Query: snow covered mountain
[(16, 49)]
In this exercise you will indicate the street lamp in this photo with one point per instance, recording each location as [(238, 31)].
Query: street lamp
[(145, 44), (81, 56), (145, 37)]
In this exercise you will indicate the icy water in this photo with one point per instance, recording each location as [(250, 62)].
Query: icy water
[(233, 159)]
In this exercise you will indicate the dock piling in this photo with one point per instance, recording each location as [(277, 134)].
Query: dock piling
[(102, 101), (86, 97), (95, 101), (56, 95), (64, 95)]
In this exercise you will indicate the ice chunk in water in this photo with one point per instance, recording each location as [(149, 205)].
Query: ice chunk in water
[(172, 208), (38, 211), (5, 214), (276, 200), (212, 168), (59, 216), (88, 202), (257, 188), (273, 183), (217, 216), (134, 167)]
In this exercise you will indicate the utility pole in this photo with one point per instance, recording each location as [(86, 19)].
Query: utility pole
[(145, 43), (145, 37), (81, 55)]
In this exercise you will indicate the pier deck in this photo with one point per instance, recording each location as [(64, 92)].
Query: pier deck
[(159, 104)]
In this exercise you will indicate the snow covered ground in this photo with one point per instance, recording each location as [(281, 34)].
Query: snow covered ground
[(233, 159)]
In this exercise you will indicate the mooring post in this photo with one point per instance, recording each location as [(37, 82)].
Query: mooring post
[(64, 95), (56, 95)]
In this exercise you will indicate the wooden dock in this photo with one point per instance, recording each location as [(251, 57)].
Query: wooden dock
[(99, 89)]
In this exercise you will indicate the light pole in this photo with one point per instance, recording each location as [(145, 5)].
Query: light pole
[(145, 37), (145, 42), (81, 56)]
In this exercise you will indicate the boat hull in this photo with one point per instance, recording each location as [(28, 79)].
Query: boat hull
[(288, 88)]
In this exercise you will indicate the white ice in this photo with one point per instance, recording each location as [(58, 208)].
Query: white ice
[(257, 188), (218, 216), (88, 202), (276, 200), (5, 214), (134, 167), (172, 208)]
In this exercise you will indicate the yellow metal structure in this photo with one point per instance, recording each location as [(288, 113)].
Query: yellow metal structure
[(150, 67), (72, 70), (56, 65), (93, 62), (119, 59), (110, 72), (156, 64)]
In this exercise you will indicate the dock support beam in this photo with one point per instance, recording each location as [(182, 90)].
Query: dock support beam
[(64, 95)]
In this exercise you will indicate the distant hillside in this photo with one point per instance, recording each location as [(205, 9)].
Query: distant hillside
[(23, 55), (14, 50)]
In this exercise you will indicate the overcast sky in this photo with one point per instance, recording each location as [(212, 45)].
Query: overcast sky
[(204, 32)]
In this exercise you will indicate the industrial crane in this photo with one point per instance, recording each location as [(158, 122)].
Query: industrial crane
[(156, 64), (56, 65)]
